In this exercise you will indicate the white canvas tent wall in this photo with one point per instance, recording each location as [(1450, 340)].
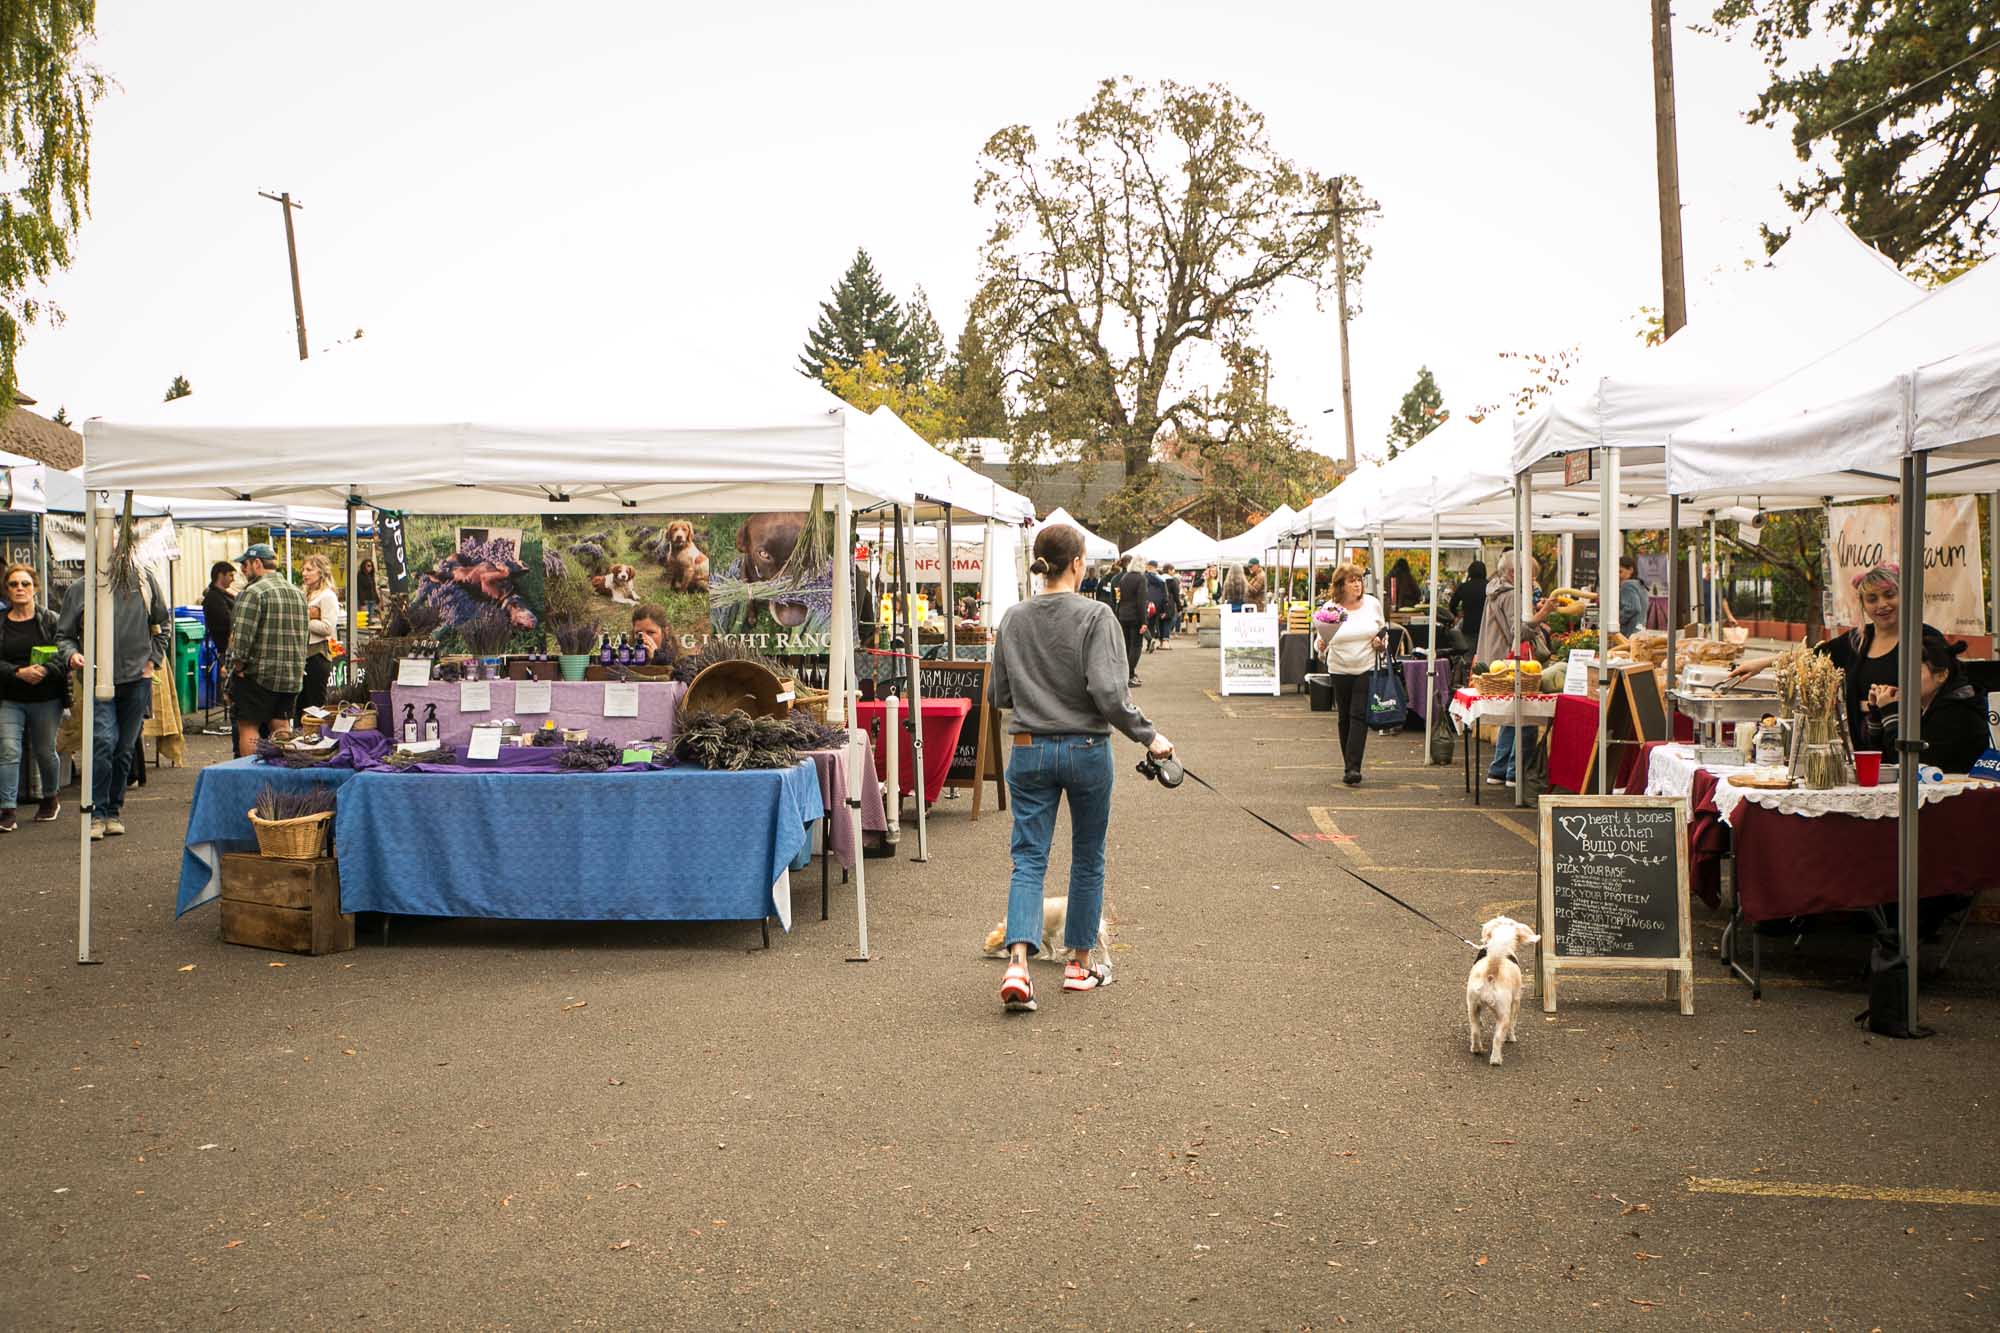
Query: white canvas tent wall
[(23, 484), (1179, 543), (1095, 548), (1915, 397), (367, 425), (1259, 539)]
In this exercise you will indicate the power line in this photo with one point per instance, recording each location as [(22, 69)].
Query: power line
[(1832, 129)]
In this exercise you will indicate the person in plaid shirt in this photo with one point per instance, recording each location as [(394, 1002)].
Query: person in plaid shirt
[(267, 649)]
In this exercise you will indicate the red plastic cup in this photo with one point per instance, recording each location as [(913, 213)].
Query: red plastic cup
[(1867, 767)]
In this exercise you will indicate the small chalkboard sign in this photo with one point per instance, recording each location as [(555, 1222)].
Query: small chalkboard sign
[(1614, 890), (1638, 714), (976, 761)]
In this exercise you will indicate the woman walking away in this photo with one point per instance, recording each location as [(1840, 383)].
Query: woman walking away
[(322, 622), (1059, 663), (32, 688), (1351, 635)]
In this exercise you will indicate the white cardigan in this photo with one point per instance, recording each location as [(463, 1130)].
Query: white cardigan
[(1351, 649), (322, 618)]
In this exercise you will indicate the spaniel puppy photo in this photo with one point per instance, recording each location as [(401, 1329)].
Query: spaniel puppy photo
[(687, 567), (1493, 990), (619, 583), (1055, 915)]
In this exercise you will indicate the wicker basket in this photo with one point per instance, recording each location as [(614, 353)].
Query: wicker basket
[(807, 700), (1494, 685), (301, 839)]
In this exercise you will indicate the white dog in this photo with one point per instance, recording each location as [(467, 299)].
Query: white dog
[(1493, 990), (1055, 915)]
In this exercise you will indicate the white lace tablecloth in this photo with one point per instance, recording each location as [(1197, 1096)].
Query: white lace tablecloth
[(1670, 770), (1468, 708), (1861, 802)]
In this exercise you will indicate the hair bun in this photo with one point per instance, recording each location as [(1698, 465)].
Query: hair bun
[(1038, 566)]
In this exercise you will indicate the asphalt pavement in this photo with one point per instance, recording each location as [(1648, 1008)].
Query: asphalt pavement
[(1271, 1120)]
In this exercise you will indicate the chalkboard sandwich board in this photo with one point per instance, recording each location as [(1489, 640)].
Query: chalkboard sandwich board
[(1614, 890), (977, 759)]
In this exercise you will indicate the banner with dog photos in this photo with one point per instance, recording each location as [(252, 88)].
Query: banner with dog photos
[(762, 579)]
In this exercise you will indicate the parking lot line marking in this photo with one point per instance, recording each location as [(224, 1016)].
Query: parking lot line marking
[(1526, 835), (1793, 1189), (1452, 870), (1323, 820)]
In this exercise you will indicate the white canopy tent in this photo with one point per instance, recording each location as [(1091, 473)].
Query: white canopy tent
[(23, 484), (368, 427), (1179, 543), (1095, 548), (1258, 540), (1915, 398)]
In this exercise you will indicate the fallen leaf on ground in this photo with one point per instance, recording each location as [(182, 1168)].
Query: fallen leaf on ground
[(1480, 1262), (348, 1051), (621, 1244), (1642, 1256), (206, 1146), (1644, 1305), (143, 1277), (578, 1005), (277, 965), (189, 968), (628, 1185), (507, 1202), (1632, 1208), (232, 1244), (615, 1082)]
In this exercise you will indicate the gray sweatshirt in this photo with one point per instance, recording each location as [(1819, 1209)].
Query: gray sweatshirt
[(1059, 663), (137, 636)]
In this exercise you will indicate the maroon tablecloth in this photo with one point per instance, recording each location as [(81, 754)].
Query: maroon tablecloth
[(943, 720), (1789, 865)]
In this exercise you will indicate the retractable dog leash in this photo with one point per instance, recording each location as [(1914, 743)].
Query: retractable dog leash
[(1168, 773)]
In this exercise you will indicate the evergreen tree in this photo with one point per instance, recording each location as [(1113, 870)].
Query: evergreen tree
[(860, 317), (180, 388), (1421, 413), (923, 355), (976, 381), (61, 418)]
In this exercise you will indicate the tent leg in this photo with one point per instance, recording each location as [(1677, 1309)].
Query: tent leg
[(289, 576), (914, 656), (949, 568), (353, 601), (95, 551), (1993, 563), (1673, 584), (1607, 603), (1431, 654), (1910, 744), (843, 689), (1714, 597), (1524, 529)]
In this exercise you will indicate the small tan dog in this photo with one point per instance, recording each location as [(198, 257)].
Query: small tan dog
[(1055, 915), (687, 567), (1493, 990)]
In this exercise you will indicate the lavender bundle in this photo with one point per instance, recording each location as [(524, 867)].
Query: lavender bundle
[(293, 803), (590, 756), (689, 665), (486, 634), (734, 741), (418, 620), (270, 752), (807, 732), (577, 637)]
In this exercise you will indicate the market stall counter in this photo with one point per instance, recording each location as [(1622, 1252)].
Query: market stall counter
[(578, 704), (943, 719), (1471, 710)]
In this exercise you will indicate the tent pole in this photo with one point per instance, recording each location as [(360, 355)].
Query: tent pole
[(1524, 528), (288, 555), (1673, 583), (1431, 653), (842, 689), (93, 572), (950, 568), (916, 719), (1566, 560), (1607, 601), (1993, 564), (353, 601), (1713, 598), (1910, 744)]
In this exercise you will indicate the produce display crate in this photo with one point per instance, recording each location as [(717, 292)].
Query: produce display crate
[(290, 906)]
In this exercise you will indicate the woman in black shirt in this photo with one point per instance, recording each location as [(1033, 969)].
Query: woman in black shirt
[(31, 696), (1954, 730), (1468, 600)]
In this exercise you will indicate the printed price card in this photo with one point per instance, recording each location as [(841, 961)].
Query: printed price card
[(621, 699), (531, 696), (413, 671), (485, 741), (343, 724), (475, 696)]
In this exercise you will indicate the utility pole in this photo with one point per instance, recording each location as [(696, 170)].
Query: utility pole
[(1673, 279), (1338, 212), (285, 202)]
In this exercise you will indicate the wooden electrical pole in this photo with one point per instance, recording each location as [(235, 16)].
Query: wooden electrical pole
[(1673, 277), (286, 202), (1338, 212)]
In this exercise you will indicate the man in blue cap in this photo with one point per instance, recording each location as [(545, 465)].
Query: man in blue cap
[(266, 662)]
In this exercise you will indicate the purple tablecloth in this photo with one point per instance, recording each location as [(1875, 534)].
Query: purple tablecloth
[(1656, 613), (832, 767), (1413, 686), (572, 703)]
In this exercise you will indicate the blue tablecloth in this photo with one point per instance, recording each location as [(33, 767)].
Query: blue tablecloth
[(682, 844), (218, 821)]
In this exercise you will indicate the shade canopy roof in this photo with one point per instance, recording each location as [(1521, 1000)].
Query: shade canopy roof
[(1259, 539), (590, 430), (1926, 380), (1094, 546), (1179, 543), (23, 484), (1822, 288), (941, 481)]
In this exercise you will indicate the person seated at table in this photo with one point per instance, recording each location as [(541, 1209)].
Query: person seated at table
[(1954, 731), (1633, 599), (1866, 653), (655, 633)]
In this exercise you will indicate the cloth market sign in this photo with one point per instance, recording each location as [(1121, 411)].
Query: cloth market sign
[(1868, 535)]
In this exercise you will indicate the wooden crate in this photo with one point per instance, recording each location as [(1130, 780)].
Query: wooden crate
[(293, 906)]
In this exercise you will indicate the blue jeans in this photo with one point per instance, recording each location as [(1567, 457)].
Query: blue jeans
[(1503, 752), (116, 722), (1038, 775), (37, 722)]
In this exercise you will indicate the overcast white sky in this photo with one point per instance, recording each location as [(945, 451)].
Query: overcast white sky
[(695, 178)]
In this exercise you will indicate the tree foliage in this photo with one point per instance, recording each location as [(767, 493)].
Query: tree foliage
[(1249, 454), (1421, 412), (1546, 372), (928, 407), (1900, 129), (1154, 225), (180, 388), (47, 90), (923, 353), (862, 316), (978, 384)]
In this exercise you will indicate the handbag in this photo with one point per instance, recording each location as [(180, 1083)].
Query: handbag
[(1388, 704)]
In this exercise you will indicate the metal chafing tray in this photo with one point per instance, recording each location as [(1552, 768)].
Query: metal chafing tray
[(1736, 706)]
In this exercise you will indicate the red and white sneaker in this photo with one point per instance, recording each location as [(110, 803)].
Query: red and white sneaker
[(1078, 977), (1017, 992)]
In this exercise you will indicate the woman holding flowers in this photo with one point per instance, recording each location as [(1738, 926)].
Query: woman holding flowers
[(1351, 634)]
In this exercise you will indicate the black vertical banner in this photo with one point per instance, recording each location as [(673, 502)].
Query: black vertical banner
[(395, 560)]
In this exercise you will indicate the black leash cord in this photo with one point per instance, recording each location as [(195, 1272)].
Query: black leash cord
[(1414, 911)]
